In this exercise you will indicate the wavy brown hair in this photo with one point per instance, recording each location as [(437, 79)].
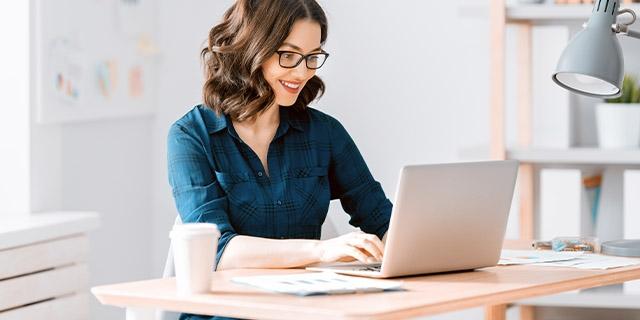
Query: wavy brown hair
[(250, 33)]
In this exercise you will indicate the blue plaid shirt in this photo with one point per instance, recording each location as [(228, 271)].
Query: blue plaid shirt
[(217, 178)]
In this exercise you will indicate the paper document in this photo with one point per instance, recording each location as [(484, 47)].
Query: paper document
[(316, 283), (578, 260), (594, 261), (509, 257)]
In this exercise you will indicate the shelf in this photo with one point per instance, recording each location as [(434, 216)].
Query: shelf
[(550, 13), (576, 156), (616, 298)]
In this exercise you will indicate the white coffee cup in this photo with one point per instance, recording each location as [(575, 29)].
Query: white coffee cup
[(194, 255)]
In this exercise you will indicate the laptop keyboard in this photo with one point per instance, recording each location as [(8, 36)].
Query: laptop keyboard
[(370, 268)]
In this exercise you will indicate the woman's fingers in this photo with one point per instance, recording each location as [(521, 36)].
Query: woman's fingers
[(377, 242), (355, 253), (366, 245), (372, 240), (366, 248)]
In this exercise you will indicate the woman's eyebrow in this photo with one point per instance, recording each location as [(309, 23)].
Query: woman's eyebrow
[(293, 46)]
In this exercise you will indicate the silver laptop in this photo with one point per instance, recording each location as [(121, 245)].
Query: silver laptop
[(446, 217)]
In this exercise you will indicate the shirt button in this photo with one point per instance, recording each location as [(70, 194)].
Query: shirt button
[(279, 202), (259, 173)]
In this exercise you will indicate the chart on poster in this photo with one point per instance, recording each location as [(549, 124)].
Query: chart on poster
[(95, 59)]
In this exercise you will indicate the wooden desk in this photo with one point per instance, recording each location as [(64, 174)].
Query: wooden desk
[(425, 295)]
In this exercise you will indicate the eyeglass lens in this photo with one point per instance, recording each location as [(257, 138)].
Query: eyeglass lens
[(292, 59)]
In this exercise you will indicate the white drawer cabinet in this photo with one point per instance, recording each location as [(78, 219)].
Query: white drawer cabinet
[(43, 266)]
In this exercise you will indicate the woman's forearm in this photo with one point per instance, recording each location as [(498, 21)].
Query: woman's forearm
[(254, 252)]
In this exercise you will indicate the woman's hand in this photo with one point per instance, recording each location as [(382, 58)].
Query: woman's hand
[(366, 248)]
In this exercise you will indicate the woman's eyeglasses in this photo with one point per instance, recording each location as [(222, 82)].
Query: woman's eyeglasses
[(290, 59)]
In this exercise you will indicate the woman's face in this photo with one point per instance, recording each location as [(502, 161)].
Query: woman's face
[(287, 83)]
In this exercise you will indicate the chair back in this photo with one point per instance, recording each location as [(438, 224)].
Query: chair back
[(169, 271)]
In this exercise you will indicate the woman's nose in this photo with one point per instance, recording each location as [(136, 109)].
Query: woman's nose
[(301, 71)]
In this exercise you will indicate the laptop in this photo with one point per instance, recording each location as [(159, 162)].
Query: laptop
[(446, 217)]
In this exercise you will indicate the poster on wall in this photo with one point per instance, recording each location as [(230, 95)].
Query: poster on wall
[(95, 59)]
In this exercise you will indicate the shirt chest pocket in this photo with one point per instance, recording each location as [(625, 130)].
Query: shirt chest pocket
[(239, 188), (311, 189), (315, 175)]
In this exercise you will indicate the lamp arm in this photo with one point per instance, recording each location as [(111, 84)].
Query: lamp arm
[(632, 34), (623, 28)]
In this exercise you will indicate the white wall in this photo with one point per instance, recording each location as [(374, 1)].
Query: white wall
[(406, 82), (45, 145), (106, 167)]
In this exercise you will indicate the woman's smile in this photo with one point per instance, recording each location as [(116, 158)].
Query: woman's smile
[(291, 87)]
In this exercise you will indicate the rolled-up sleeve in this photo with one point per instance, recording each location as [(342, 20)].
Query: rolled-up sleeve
[(197, 194), (351, 181)]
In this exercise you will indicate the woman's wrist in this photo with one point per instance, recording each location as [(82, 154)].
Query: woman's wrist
[(316, 251)]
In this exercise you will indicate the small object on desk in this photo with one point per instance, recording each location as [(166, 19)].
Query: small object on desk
[(318, 283), (582, 244), (194, 249), (541, 245), (623, 248)]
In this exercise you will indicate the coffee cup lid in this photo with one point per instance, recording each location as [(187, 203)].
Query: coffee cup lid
[(194, 229)]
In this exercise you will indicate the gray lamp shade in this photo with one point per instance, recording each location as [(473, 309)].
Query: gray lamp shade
[(592, 63)]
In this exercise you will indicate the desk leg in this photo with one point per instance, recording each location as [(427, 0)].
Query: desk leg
[(527, 313), (495, 312), (140, 314)]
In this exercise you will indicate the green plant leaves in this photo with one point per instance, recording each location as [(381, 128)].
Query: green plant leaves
[(630, 91)]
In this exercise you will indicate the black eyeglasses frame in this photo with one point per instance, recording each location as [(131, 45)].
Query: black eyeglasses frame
[(302, 57)]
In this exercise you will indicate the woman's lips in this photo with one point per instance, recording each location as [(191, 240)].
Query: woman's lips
[(292, 87)]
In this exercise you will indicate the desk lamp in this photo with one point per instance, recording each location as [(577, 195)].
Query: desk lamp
[(592, 65)]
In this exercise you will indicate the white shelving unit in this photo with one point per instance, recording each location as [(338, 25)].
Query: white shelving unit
[(44, 272), (614, 297), (553, 14), (525, 17), (595, 156)]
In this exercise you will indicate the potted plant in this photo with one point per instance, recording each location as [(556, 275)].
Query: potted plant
[(618, 120)]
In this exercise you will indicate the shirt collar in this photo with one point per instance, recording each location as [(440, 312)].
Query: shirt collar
[(292, 117), (288, 118), (213, 121)]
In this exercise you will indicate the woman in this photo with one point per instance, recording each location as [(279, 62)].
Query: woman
[(257, 161)]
